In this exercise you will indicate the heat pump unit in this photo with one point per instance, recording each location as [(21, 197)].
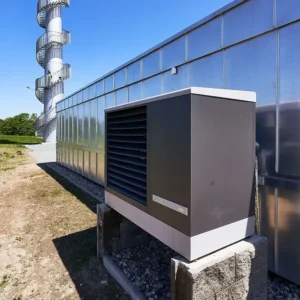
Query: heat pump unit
[(181, 165)]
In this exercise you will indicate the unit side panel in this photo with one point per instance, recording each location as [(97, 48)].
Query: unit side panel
[(223, 146)]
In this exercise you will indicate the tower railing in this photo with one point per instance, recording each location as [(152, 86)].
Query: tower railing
[(44, 6), (49, 47)]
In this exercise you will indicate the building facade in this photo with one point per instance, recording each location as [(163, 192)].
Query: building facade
[(246, 45)]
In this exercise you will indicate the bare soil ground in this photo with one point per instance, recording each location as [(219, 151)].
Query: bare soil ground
[(47, 235)]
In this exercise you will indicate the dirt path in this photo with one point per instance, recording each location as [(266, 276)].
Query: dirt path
[(48, 238)]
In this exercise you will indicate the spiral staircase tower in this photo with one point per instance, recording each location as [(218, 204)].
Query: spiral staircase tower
[(49, 89)]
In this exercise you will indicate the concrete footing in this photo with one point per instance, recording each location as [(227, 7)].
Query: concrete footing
[(236, 272), (116, 233)]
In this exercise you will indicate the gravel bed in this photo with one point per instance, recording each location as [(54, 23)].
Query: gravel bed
[(280, 289), (149, 268), (94, 189)]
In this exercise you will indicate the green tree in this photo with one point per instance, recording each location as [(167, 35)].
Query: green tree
[(1, 123), (33, 117), (22, 124)]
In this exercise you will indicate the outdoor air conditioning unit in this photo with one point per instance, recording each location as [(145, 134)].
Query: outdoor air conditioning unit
[(181, 165)]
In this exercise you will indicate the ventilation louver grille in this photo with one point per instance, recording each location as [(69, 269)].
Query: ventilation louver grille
[(127, 152)]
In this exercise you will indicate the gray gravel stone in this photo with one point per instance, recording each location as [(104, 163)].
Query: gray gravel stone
[(92, 188), (148, 267), (280, 289)]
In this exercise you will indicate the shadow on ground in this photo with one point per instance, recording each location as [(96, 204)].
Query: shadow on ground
[(82, 196), (78, 254)]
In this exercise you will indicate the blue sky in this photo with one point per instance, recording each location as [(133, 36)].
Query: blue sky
[(105, 34)]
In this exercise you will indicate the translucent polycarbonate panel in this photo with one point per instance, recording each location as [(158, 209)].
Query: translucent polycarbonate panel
[(67, 157), (92, 91), (177, 81), (57, 153), (58, 126), (287, 11), (66, 125), (108, 84), (173, 54), (205, 39), (99, 88), (80, 161), (75, 160), (135, 92), (134, 72), (93, 124), (62, 135), (71, 164), (86, 118), (100, 167), (85, 94), (74, 99), (207, 71), (93, 165), (75, 125), (110, 100), (252, 66), (122, 96), (151, 64), (71, 120), (86, 163), (70, 101), (101, 123), (289, 100), (247, 20), (80, 124), (61, 126), (120, 78), (289, 61), (152, 86), (62, 154), (79, 97)]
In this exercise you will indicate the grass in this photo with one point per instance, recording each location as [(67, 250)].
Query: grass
[(4, 281), (15, 139), (11, 156)]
